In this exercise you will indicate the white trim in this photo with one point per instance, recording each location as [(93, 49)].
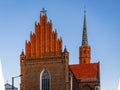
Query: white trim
[(71, 81), (41, 78)]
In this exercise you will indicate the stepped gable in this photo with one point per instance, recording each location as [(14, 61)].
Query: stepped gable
[(44, 41)]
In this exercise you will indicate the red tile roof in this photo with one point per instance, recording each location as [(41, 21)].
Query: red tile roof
[(86, 72)]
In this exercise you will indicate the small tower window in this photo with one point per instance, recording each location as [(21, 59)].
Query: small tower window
[(84, 61), (84, 51)]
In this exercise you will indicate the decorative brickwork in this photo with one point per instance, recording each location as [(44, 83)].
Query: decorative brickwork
[(44, 42), (43, 54)]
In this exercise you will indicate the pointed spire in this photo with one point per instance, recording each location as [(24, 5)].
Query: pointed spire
[(84, 37), (22, 52), (65, 49)]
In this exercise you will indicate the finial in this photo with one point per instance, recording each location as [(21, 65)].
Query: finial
[(85, 13), (55, 30), (60, 38), (35, 22), (50, 21), (43, 12), (65, 50), (22, 52), (84, 10)]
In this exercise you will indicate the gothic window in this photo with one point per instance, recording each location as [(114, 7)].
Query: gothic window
[(45, 80)]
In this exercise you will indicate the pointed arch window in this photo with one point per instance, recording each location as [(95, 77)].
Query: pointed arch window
[(45, 80)]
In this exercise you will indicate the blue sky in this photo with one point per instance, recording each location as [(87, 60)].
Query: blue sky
[(17, 19)]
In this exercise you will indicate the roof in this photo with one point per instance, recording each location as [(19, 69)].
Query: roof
[(8, 86), (86, 72)]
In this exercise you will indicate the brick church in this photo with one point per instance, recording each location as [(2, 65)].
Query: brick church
[(45, 64)]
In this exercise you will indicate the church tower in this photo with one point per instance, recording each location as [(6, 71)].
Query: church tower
[(84, 50), (44, 66)]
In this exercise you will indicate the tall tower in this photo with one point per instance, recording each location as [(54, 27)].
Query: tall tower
[(44, 65), (84, 50)]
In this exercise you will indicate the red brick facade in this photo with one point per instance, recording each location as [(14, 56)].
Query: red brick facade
[(44, 52)]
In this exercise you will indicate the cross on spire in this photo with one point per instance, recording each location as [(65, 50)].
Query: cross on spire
[(43, 12), (84, 11)]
